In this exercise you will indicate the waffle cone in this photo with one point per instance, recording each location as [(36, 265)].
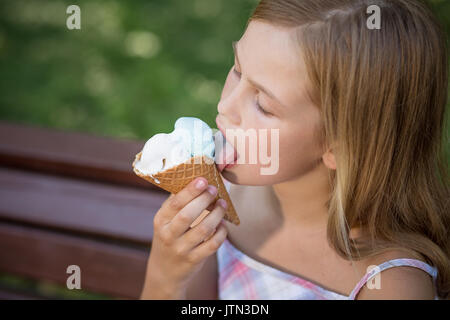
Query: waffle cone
[(175, 179)]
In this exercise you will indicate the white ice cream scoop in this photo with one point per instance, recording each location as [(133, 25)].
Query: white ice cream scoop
[(191, 137), (166, 162), (162, 151)]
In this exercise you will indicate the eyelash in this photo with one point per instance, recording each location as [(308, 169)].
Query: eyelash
[(261, 109), (258, 106)]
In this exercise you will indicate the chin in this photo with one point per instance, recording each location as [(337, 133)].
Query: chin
[(248, 174)]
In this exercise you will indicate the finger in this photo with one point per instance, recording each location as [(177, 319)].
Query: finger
[(183, 220), (210, 246), (178, 201), (206, 228)]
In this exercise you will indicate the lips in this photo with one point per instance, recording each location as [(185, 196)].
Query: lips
[(226, 155)]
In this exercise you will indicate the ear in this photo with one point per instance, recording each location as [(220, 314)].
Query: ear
[(329, 160)]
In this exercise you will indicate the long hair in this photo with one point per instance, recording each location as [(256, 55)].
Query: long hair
[(382, 94)]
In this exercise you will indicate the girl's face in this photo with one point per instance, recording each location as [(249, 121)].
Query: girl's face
[(265, 89)]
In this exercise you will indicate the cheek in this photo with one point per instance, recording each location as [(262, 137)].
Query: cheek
[(256, 157), (300, 150), (297, 153), (303, 134)]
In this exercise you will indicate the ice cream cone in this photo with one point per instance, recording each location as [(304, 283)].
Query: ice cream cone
[(175, 179)]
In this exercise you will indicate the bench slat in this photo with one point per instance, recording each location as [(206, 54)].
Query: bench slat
[(85, 207), (105, 267), (72, 198), (70, 153)]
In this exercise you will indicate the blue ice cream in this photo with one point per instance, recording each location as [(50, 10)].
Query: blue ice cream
[(196, 134)]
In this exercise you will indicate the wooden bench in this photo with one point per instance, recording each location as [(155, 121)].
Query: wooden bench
[(72, 199)]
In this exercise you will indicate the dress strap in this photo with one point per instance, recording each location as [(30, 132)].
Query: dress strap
[(391, 264)]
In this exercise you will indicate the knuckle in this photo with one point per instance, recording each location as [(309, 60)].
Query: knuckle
[(192, 258), (179, 251), (207, 197), (204, 230), (216, 216), (183, 218), (166, 237), (168, 199), (157, 222), (192, 190), (175, 204), (219, 210), (212, 197), (214, 244)]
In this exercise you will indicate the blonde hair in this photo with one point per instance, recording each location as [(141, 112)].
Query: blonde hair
[(382, 94)]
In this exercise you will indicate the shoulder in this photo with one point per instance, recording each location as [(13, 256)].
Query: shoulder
[(398, 283)]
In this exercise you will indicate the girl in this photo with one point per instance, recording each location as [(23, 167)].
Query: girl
[(359, 206)]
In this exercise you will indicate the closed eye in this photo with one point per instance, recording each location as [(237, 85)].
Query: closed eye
[(258, 105), (261, 109)]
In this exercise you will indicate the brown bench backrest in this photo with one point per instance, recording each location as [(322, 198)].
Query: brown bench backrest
[(72, 199)]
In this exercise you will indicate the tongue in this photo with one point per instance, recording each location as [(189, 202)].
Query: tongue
[(225, 153)]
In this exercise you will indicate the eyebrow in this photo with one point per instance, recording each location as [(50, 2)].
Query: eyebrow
[(254, 83)]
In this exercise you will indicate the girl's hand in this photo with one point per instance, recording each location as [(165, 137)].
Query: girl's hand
[(178, 251)]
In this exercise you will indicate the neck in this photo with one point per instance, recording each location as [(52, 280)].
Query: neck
[(303, 199)]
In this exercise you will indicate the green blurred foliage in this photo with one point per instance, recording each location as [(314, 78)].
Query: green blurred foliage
[(45, 289), (131, 71)]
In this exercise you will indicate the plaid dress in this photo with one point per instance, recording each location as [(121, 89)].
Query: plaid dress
[(243, 278)]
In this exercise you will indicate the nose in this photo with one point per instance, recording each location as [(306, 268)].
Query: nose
[(229, 110), (231, 104)]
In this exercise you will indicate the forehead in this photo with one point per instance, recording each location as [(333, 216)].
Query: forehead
[(270, 56)]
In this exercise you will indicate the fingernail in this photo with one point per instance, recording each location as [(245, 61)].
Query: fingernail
[(212, 190), (222, 203), (200, 184)]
